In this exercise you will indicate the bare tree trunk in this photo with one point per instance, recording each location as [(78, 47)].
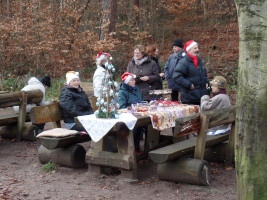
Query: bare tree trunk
[(136, 11), (203, 3), (20, 7), (7, 8), (251, 126), (113, 13), (107, 22)]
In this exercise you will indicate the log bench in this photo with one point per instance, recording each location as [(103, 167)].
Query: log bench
[(64, 151), (167, 157), (52, 113), (18, 120)]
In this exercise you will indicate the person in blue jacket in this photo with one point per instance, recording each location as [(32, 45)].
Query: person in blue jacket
[(129, 93), (170, 65)]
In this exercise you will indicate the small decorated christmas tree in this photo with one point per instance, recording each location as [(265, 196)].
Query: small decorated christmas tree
[(106, 102)]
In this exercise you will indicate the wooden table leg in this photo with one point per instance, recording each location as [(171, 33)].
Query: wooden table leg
[(94, 170), (152, 137), (125, 142)]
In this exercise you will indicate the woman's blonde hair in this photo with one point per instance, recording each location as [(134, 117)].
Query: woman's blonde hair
[(141, 48)]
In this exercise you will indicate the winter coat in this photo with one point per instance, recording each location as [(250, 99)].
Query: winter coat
[(128, 95), (33, 84), (169, 69), (97, 79), (217, 102), (158, 85), (185, 74), (74, 102), (147, 68)]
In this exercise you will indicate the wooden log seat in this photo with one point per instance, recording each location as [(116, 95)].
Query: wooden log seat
[(185, 170), (71, 156)]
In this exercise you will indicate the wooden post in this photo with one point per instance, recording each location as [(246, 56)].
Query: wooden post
[(230, 146), (125, 144), (152, 137), (22, 114), (201, 139)]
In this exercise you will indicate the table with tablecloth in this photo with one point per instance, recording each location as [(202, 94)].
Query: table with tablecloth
[(98, 129)]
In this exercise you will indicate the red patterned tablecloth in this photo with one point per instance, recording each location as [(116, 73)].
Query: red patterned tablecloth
[(165, 117)]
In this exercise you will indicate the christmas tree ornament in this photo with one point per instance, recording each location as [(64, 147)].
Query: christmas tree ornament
[(107, 105)]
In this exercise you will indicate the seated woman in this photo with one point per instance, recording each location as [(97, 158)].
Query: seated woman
[(73, 101), (219, 99), (129, 93)]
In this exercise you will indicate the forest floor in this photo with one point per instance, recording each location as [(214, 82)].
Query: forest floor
[(22, 177)]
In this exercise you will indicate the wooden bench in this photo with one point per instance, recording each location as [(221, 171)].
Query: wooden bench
[(198, 123), (52, 113), (20, 99), (64, 151), (191, 170)]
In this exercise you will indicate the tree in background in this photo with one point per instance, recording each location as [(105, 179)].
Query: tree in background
[(107, 23), (251, 126), (56, 36)]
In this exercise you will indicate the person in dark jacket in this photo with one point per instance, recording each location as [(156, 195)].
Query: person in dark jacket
[(129, 93), (153, 53), (190, 74), (145, 70), (73, 101), (170, 65)]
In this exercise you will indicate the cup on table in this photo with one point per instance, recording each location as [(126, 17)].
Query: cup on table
[(134, 107)]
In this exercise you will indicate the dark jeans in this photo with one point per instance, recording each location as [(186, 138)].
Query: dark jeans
[(78, 128), (136, 135), (40, 126), (191, 103), (175, 95)]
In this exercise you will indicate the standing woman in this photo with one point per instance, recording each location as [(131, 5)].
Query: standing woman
[(153, 53), (145, 70), (99, 74), (73, 101)]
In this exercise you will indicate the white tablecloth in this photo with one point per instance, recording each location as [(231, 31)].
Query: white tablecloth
[(97, 128)]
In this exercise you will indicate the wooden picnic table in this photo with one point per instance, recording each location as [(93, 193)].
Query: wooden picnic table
[(125, 158)]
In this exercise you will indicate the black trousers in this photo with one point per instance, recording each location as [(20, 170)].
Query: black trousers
[(77, 128), (175, 95)]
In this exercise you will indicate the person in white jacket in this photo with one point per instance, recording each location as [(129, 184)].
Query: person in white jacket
[(99, 74), (33, 84)]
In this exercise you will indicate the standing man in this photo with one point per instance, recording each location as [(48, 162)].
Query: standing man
[(190, 74), (174, 58)]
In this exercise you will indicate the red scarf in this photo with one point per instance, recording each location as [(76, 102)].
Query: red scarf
[(222, 91), (194, 59)]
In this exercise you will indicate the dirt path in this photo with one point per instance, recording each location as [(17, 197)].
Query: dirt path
[(21, 177)]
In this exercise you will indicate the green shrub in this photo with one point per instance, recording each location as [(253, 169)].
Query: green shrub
[(54, 91)]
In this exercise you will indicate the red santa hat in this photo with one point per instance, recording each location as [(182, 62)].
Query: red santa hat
[(126, 77), (189, 45), (101, 55), (71, 75)]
